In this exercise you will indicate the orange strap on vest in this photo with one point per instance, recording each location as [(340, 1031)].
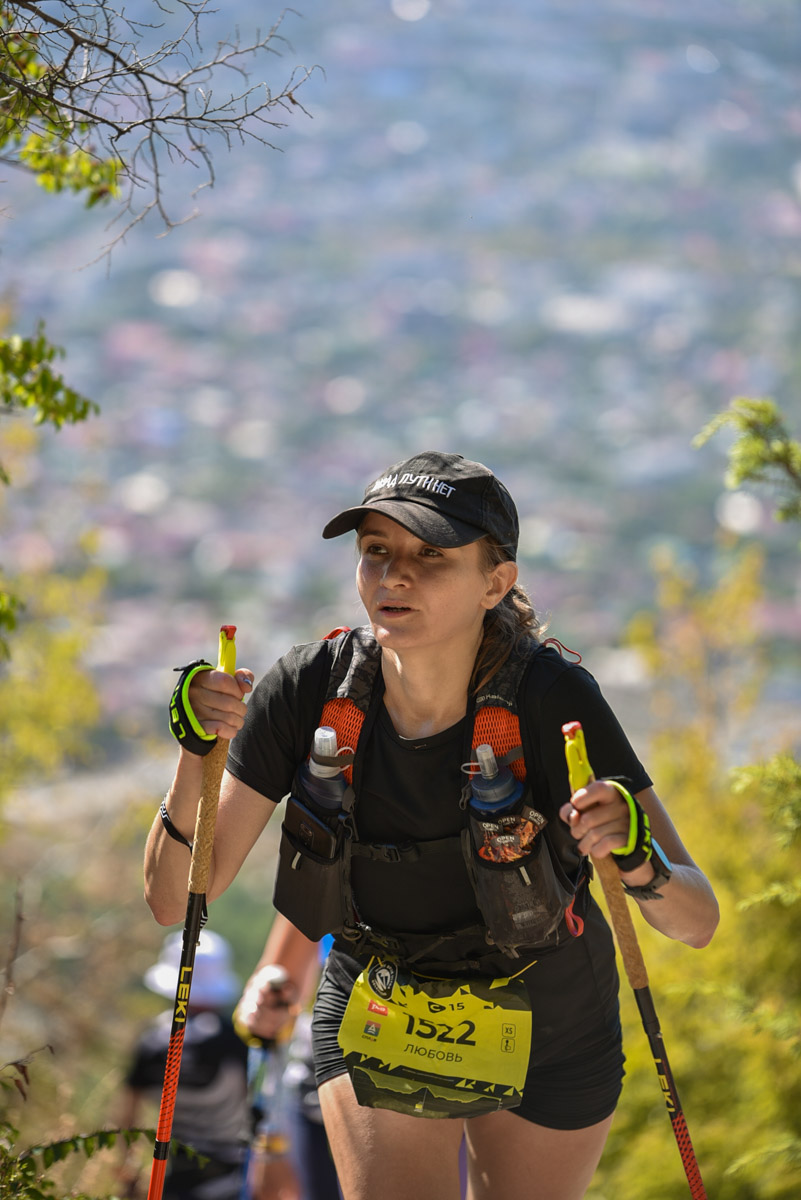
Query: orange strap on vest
[(496, 727)]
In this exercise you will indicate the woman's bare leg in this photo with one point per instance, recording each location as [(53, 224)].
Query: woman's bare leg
[(513, 1158), (387, 1154)]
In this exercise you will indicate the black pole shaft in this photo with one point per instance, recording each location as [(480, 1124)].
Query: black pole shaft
[(650, 1023)]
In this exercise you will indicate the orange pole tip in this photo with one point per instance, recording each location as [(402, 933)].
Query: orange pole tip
[(571, 728), (228, 630)]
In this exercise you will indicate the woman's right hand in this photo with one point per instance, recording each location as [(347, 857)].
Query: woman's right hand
[(217, 700)]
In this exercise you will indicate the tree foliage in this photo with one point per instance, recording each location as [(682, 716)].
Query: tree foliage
[(29, 381), (30, 384), (732, 1016), (24, 1173), (98, 101), (34, 131), (48, 700), (763, 453)]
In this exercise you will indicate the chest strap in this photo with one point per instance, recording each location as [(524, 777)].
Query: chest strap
[(408, 852)]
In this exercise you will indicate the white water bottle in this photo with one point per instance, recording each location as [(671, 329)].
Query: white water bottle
[(323, 786)]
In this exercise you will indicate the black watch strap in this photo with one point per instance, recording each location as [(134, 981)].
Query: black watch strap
[(662, 873)]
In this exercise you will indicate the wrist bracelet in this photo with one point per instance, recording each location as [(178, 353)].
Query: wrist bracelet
[(272, 1145), (174, 833)]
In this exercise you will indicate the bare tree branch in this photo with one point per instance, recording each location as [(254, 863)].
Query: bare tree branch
[(84, 80), (12, 952)]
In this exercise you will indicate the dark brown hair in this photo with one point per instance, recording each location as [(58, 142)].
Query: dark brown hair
[(505, 626)]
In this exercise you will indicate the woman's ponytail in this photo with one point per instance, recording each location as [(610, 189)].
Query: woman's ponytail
[(505, 626)]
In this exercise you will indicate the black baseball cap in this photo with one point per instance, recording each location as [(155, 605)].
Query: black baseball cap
[(444, 499)]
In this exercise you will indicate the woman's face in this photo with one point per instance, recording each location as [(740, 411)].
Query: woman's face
[(420, 596)]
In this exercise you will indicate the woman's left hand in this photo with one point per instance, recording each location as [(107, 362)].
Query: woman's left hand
[(598, 818)]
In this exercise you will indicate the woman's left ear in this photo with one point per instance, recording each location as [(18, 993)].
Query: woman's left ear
[(502, 579)]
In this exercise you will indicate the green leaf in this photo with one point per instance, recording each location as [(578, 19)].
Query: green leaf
[(36, 132), (28, 381), (763, 452)]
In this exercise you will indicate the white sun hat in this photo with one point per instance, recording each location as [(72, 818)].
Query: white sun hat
[(213, 984)]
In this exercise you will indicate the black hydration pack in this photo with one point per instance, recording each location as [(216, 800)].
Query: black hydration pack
[(527, 905)]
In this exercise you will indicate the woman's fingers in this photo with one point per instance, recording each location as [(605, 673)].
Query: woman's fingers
[(598, 818), (217, 700)]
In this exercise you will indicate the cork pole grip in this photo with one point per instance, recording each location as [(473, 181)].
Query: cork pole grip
[(622, 923), (580, 774), (213, 767)]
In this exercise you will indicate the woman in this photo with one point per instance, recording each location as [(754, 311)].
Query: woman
[(437, 542)]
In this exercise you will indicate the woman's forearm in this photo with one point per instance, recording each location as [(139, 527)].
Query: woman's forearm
[(687, 910), (241, 816), (167, 860)]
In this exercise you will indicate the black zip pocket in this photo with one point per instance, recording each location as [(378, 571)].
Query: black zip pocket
[(310, 882), (307, 828), (523, 900)]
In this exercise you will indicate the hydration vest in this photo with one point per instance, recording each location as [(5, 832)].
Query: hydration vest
[(350, 705)]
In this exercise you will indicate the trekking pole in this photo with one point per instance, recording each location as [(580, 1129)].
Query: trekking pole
[(266, 1063), (580, 774), (213, 767)]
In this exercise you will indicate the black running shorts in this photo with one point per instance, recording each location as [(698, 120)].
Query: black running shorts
[(575, 1071)]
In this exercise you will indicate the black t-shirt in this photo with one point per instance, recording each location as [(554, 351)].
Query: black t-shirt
[(411, 788), (211, 1109)]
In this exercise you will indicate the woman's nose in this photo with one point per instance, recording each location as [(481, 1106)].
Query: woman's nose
[(396, 568)]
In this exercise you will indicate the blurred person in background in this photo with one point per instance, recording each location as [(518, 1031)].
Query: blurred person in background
[(289, 1157), (211, 1114)]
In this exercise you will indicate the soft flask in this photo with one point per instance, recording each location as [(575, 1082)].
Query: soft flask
[(522, 892)]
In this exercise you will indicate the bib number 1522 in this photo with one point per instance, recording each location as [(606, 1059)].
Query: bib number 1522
[(441, 1031)]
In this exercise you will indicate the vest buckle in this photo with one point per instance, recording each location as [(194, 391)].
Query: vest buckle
[(387, 853)]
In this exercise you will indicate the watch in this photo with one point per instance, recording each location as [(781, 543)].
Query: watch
[(662, 873)]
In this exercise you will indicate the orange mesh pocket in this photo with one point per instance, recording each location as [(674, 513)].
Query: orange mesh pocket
[(343, 716), (500, 729)]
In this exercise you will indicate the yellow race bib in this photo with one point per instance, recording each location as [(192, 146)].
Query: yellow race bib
[(436, 1047)]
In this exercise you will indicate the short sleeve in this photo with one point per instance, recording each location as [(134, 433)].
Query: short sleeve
[(574, 695), (279, 723)]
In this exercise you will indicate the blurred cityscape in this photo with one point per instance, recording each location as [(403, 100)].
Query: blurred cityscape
[(553, 235)]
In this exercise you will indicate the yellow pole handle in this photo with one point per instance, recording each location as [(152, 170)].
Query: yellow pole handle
[(580, 774), (213, 767)]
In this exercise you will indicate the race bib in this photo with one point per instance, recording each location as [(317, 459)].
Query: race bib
[(436, 1047)]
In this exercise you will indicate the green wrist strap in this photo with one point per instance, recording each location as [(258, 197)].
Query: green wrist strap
[(637, 849), (184, 725)]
